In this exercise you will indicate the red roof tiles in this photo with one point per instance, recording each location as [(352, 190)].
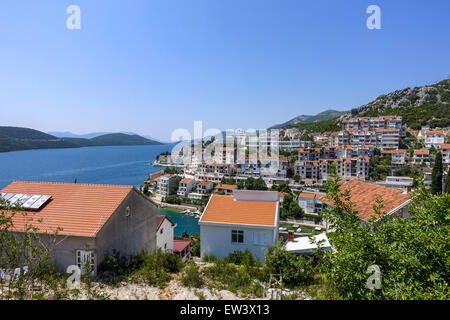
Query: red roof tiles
[(80, 209)]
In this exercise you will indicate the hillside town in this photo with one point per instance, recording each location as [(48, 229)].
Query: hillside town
[(356, 152), (249, 193)]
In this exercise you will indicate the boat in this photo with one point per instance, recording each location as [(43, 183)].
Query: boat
[(197, 216), (186, 211), (298, 230), (282, 229), (318, 229)]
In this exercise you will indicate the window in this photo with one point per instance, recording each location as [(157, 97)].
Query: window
[(161, 231), (237, 236), (84, 258), (127, 211)]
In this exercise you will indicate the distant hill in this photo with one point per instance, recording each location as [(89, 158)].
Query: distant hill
[(16, 139), (325, 115), (122, 139), (68, 134), (419, 106)]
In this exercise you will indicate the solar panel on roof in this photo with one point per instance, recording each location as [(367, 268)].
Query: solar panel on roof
[(27, 201), (14, 199), (7, 196), (24, 199), (40, 202), (30, 201)]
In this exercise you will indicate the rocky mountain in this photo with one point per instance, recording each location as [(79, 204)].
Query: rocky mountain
[(419, 106)]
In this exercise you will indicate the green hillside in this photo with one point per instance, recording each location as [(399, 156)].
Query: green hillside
[(17, 139), (122, 139), (325, 115), (419, 106)]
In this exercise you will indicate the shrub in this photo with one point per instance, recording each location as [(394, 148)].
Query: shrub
[(294, 270), (156, 267), (241, 258), (191, 276)]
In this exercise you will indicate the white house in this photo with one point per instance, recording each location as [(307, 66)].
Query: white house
[(445, 149), (311, 202), (246, 219), (164, 233), (204, 187), (421, 156), (434, 138), (398, 156), (402, 183), (185, 186)]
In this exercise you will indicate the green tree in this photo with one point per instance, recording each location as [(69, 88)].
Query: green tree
[(436, 175), (412, 254), (447, 183), (294, 270), (174, 187)]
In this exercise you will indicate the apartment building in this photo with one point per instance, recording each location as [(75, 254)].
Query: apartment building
[(374, 123), (214, 171), (445, 149), (164, 184), (380, 138), (398, 156), (387, 138), (319, 170), (420, 156), (204, 187), (434, 138), (186, 186), (225, 155)]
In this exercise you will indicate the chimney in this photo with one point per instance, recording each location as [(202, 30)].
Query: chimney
[(290, 235)]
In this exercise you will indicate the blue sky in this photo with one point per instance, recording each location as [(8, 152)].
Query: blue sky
[(154, 66)]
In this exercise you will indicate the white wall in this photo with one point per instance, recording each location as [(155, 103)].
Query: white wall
[(166, 237), (216, 240)]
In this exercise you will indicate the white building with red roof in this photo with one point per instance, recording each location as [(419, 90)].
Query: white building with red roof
[(164, 233), (246, 219), (186, 185), (434, 138), (445, 149)]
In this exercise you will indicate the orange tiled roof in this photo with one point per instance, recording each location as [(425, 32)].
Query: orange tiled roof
[(393, 151), (310, 195), (226, 186), (364, 195), (423, 151), (434, 132), (387, 130), (445, 146), (80, 209), (186, 180), (203, 183), (224, 209)]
